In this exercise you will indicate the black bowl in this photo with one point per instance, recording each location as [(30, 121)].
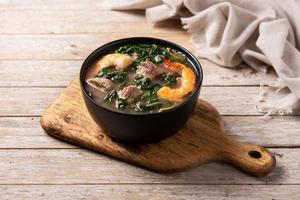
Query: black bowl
[(140, 128)]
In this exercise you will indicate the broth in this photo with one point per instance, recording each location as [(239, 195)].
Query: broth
[(141, 78)]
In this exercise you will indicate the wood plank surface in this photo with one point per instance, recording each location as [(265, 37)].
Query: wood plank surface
[(26, 101), (33, 101), (25, 132), (68, 46), (141, 192), (43, 43), (60, 72), (68, 21), (79, 166), (51, 4)]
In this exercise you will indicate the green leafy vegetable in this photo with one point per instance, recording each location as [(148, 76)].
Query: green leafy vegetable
[(168, 80), (121, 103), (153, 52), (140, 49), (113, 74), (152, 91), (149, 101), (158, 59), (142, 106), (166, 108), (110, 95), (142, 82), (177, 57)]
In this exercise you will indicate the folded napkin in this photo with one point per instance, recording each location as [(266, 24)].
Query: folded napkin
[(263, 34)]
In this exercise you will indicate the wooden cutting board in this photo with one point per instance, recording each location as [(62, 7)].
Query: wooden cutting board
[(203, 139)]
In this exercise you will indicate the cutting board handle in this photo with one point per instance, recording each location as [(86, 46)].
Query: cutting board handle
[(252, 159)]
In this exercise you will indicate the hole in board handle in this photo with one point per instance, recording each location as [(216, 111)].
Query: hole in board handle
[(255, 154)]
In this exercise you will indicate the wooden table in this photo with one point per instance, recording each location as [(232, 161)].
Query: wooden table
[(42, 46)]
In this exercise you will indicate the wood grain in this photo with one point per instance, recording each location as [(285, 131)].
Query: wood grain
[(79, 166), (25, 132), (51, 5), (66, 46), (26, 101), (84, 21), (60, 72), (46, 73), (203, 139), (141, 192), (32, 166)]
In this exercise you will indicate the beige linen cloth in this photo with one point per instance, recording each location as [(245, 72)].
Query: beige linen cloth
[(262, 33)]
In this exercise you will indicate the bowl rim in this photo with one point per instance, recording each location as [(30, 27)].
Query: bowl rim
[(183, 50)]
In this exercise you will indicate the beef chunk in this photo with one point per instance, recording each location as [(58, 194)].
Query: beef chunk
[(101, 84), (147, 69), (130, 93)]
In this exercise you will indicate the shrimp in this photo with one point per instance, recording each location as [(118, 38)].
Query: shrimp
[(187, 83), (120, 61)]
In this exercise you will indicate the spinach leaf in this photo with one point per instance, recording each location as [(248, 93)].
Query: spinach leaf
[(119, 77), (121, 103), (113, 74), (149, 101), (142, 82), (141, 49), (177, 57), (142, 106), (134, 66), (151, 92), (110, 95), (154, 53), (168, 80), (158, 59), (145, 52)]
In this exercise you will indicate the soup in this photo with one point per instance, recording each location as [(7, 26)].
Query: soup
[(141, 78)]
